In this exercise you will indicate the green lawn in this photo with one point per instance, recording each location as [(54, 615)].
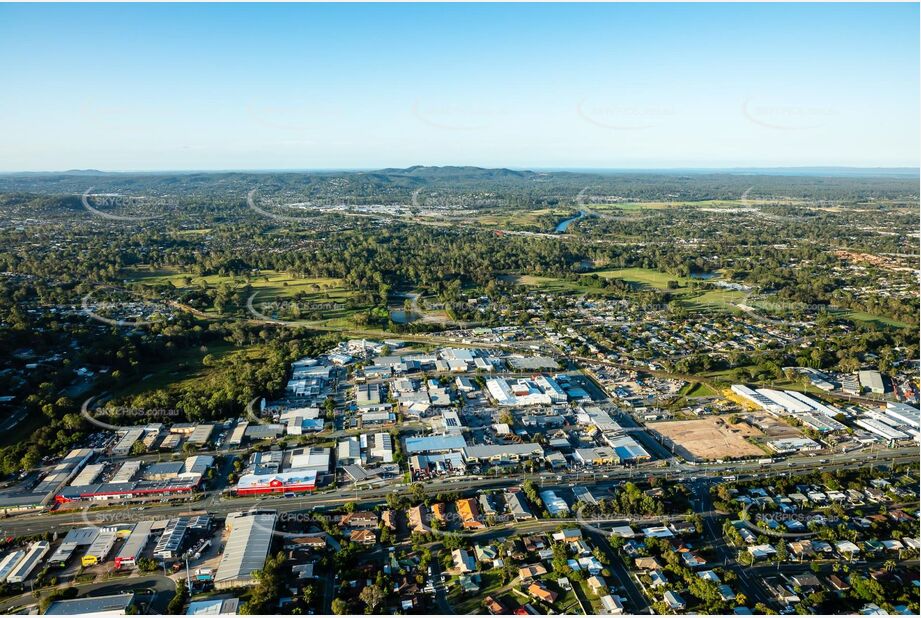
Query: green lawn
[(698, 389), (643, 277)]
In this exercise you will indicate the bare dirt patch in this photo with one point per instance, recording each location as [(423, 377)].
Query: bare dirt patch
[(709, 438)]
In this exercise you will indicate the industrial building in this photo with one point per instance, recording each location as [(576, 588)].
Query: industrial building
[(246, 550), (29, 562), (109, 605), (134, 546)]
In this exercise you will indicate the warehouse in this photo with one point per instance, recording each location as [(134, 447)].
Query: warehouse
[(502, 453), (170, 542), (881, 429), (9, 563), (201, 434), (555, 505), (100, 549), (872, 381), (246, 550), (109, 605), (28, 564), (279, 482), (134, 546), (89, 475), (435, 444), (184, 483), (123, 446)]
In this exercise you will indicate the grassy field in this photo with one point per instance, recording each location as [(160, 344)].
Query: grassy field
[(697, 389), (643, 277), (328, 297), (554, 284), (522, 218)]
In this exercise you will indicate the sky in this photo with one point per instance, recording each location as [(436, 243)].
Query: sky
[(355, 86)]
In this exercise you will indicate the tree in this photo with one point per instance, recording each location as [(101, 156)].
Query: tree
[(177, 603), (372, 597), (339, 606)]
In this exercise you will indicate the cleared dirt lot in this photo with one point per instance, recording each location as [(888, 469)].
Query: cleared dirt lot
[(709, 438)]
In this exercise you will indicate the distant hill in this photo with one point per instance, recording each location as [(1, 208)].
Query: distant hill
[(454, 171)]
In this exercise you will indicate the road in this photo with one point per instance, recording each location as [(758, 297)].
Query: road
[(212, 501), (162, 588)]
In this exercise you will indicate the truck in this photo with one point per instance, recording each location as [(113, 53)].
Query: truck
[(766, 460)]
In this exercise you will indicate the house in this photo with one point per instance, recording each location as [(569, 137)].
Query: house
[(530, 572), (486, 553), (597, 584), (759, 552), (313, 541), (440, 512), (657, 579), (847, 549), (567, 535), (517, 507), (469, 513), (359, 520), (674, 601), (611, 605), (363, 537), (494, 607), (463, 561), (692, 559), (806, 581), (539, 591), (647, 563), (838, 584), (418, 519)]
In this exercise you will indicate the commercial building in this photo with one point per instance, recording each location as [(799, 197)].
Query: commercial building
[(502, 453), (134, 546), (555, 505), (872, 381), (124, 444), (9, 562), (109, 605), (29, 562), (246, 550), (102, 546), (169, 545), (278, 482), (435, 444)]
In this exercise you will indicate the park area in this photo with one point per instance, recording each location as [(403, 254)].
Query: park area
[(708, 438)]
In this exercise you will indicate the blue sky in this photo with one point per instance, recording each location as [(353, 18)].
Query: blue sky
[(240, 86)]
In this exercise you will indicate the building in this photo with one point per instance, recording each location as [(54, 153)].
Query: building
[(434, 444), (469, 513), (596, 456), (348, 452), (169, 544), (277, 483), (214, 607), (201, 434), (502, 453), (134, 546), (555, 505), (9, 563), (29, 562), (124, 444), (88, 476), (380, 446), (109, 605), (102, 546), (517, 507), (872, 381), (463, 561), (247, 548), (674, 601)]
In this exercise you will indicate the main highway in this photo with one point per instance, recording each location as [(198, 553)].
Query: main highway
[(219, 503)]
